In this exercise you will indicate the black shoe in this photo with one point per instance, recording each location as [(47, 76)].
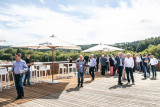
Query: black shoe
[(29, 84), (120, 83), (81, 85), (78, 85), (24, 84), (133, 83), (144, 78), (19, 97)]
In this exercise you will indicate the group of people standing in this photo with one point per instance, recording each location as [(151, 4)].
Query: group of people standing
[(121, 63), (146, 64), (149, 63), (118, 63)]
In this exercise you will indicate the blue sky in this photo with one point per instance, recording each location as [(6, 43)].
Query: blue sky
[(54, 4), (79, 21)]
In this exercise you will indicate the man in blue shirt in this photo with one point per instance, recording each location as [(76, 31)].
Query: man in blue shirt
[(145, 63), (19, 66), (148, 66), (81, 66)]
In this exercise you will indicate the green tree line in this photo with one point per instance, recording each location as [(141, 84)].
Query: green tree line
[(151, 45), (138, 46), (61, 55), (45, 56)]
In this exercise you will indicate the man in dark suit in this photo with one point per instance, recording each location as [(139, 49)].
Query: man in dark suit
[(97, 60), (103, 64), (115, 63), (119, 66), (86, 58)]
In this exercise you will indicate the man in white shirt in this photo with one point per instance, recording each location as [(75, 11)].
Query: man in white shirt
[(129, 64), (138, 60), (153, 63), (92, 65)]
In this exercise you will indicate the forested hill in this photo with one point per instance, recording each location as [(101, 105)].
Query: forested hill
[(132, 46), (83, 47), (145, 43), (138, 46), (144, 47)]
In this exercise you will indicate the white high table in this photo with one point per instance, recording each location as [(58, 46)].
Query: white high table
[(37, 65), (4, 65), (68, 66)]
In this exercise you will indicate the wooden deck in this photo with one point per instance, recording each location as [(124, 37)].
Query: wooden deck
[(103, 92), (40, 90)]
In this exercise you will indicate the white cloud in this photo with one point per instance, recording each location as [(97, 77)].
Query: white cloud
[(67, 8), (104, 24), (42, 1)]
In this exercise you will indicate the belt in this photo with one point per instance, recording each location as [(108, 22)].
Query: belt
[(128, 67), (16, 74)]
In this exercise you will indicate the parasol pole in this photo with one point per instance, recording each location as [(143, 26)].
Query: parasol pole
[(53, 81), (52, 62)]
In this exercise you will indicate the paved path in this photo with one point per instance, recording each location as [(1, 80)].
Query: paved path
[(105, 93)]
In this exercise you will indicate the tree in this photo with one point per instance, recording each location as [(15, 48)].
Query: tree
[(6, 56), (145, 43), (18, 50)]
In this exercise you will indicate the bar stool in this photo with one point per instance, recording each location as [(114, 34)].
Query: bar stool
[(48, 67), (73, 67), (10, 69), (4, 72), (42, 69), (64, 69), (33, 71)]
